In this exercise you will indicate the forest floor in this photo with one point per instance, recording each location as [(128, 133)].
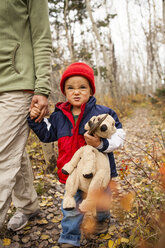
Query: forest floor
[(142, 130)]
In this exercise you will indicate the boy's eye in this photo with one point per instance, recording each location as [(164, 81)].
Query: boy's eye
[(82, 87), (70, 88)]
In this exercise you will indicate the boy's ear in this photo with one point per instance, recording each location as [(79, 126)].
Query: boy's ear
[(64, 88), (64, 92)]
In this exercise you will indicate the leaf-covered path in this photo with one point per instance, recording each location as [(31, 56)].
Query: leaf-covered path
[(44, 231)]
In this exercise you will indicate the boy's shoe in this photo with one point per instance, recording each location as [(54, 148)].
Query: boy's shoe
[(102, 227), (19, 220), (67, 246)]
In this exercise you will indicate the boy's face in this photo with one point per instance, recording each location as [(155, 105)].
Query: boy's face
[(77, 90)]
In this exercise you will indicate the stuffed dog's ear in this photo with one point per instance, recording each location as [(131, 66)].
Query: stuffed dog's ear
[(113, 125), (89, 124), (112, 122), (87, 127)]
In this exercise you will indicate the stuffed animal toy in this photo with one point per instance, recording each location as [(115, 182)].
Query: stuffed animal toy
[(89, 169)]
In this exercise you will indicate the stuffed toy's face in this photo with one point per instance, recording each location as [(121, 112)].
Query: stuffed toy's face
[(106, 128)]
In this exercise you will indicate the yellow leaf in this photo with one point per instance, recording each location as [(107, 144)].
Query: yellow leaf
[(49, 204), (43, 237), (51, 241), (55, 220), (6, 242), (118, 241), (111, 244), (27, 228), (43, 221), (102, 246), (132, 214), (58, 194), (43, 203), (105, 236), (124, 240)]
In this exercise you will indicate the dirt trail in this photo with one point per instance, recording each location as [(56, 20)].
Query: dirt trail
[(141, 129), (44, 231)]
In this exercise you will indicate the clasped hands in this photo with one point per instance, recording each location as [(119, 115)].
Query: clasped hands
[(38, 108)]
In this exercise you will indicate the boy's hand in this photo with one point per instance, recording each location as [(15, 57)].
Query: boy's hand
[(92, 140), (42, 102), (35, 112)]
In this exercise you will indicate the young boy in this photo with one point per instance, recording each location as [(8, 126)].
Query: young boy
[(66, 124)]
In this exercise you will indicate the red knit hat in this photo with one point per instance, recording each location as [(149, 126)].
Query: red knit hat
[(78, 69)]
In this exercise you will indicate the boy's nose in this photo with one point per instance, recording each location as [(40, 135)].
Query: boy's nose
[(76, 91)]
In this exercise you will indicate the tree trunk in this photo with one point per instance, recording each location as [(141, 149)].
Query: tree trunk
[(111, 46), (129, 78), (103, 50), (68, 37), (163, 3), (49, 156), (98, 81)]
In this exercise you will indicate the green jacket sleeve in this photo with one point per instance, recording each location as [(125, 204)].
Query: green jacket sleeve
[(42, 44)]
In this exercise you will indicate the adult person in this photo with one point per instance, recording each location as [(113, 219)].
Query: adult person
[(25, 49)]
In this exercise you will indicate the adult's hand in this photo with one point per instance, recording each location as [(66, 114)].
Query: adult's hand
[(42, 102)]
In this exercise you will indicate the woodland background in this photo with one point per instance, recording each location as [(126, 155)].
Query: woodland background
[(124, 42)]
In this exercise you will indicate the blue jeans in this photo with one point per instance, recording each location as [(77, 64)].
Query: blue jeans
[(72, 220)]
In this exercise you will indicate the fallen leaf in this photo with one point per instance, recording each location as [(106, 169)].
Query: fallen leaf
[(27, 227), (44, 236), (25, 239), (111, 244), (51, 241), (105, 236), (6, 242), (43, 203), (124, 240), (49, 204), (42, 222), (55, 220)]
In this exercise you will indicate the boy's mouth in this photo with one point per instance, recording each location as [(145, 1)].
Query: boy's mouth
[(76, 98)]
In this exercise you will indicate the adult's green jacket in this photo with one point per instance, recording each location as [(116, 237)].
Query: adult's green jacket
[(25, 46)]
